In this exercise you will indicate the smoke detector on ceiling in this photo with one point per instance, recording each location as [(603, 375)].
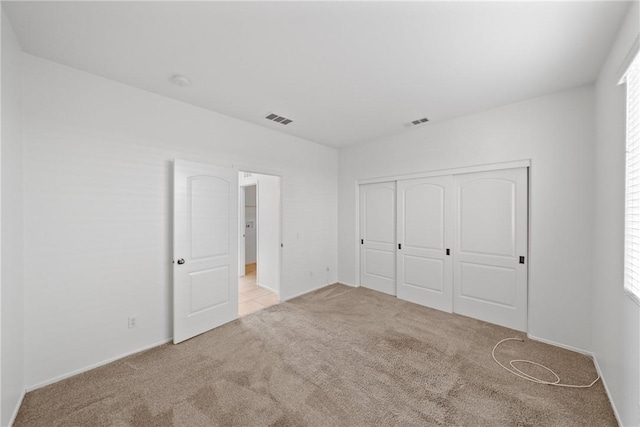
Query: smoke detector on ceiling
[(180, 80), (278, 119)]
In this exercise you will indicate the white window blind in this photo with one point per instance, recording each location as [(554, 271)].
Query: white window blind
[(632, 205)]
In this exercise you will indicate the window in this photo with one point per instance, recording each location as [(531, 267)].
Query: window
[(632, 204)]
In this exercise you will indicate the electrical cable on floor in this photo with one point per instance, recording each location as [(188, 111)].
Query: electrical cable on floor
[(517, 372)]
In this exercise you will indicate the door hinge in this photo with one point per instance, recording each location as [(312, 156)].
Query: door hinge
[(448, 251), (521, 260), (399, 245), (362, 241)]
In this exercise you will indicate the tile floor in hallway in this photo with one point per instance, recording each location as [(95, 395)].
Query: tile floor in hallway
[(252, 297)]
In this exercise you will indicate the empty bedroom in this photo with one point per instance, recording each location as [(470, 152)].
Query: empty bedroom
[(320, 213)]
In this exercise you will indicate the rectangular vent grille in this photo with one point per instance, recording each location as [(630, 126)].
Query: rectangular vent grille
[(419, 121), (278, 119)]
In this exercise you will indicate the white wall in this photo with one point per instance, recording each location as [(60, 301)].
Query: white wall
[(616, 319), (12, 288), (557, 133), (98, 167), (268, 231)]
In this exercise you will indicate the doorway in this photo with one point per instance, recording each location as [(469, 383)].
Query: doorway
[(258, 242)]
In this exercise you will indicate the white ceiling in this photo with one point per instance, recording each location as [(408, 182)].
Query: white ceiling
[(345, 72)]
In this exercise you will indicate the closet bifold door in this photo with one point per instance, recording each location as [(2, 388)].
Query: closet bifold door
[(490, 246), (424, 233), (378, 236)]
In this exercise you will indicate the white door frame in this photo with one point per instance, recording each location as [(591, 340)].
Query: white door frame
[(439, 172), (260, 171), (242, 231), (256, 225)]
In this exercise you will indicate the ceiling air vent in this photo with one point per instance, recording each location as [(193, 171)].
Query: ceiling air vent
[(278, 119), (419, 121)]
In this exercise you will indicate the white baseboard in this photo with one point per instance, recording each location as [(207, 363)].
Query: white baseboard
[(557, 344), (95, 365), (348, 284), (604, 383), (595, 363), (267, 288), (307, 292), (17, 408)]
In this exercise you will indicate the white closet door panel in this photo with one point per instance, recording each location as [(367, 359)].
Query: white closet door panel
[(487, 217), (424, 234), (423, 272), (377, 234), (489, 281)]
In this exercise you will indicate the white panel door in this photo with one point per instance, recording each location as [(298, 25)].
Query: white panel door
[(205, 269), (378, 237), (424, 238), (489, 275)]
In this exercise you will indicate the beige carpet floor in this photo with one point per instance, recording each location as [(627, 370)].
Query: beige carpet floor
[(338, 356)]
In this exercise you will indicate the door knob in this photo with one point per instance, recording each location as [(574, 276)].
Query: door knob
[(181, 261)]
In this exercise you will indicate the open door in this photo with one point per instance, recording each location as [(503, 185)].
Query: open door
[(205, 269)]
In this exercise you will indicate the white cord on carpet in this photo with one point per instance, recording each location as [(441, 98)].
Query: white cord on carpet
[(517, 372)]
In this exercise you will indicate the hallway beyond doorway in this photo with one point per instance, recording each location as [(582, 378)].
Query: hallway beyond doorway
[(252, 297)]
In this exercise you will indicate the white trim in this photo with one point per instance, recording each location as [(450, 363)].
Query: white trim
[(257, 228), (455, 171), (628, 60), (242, 230), (606, 389), (557, 344), (632, 296), (595, 363), (267, 288), (17, 408), (96, 365), (529, 246), (289, 298), (347, 284), (357, 258), (258, 169)]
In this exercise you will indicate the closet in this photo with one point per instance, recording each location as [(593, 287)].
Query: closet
[(456, 242)]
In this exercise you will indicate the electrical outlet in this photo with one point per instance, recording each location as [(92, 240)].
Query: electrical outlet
[(133, 322)]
